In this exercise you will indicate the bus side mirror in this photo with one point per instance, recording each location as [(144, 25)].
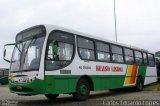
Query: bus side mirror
[(7, 53), (4, 54)]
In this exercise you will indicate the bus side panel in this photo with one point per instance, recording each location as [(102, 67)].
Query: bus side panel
[(100, 83), (49, 84), (108, 82), (61, 86), (116, 82), (142, 71), (64, 84), (151, 75), (72, 85)]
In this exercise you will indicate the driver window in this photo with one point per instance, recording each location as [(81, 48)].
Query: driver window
[(60, 50)]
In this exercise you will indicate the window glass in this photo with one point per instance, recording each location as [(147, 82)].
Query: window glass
[(62, 37), (26, 55), (86, 48), (128, 56), (60, 53), (116, 49), (102, 47), (151, 60), (103, 56), (117, 58), (138, 60), (138, 54), (128, 52), (33, 55), (129, 59), (15, 66), (138, 57), (103, 52), (85, 43), (87, 54), (145, 58), (117, 54)]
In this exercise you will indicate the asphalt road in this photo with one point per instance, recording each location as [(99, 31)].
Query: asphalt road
[(103, 98)]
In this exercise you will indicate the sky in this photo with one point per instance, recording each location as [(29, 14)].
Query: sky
[(138, 21)]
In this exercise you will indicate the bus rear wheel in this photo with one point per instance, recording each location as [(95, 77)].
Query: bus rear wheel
[(139, 84), (82, 90), (51, 96)]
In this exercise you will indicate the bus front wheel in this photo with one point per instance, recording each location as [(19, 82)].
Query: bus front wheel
[(82, 90), (51, 96)]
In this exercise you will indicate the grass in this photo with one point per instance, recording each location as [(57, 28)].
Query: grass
[(152, 87)]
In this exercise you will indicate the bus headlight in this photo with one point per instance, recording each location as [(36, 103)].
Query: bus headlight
[(11, 77)]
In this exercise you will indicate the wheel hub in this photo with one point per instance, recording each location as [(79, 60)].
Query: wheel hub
[(83, 89)]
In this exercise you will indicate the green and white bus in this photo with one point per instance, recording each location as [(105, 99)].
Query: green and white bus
[(52, 60)]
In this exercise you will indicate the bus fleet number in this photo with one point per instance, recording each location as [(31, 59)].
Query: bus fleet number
[(84, 67)]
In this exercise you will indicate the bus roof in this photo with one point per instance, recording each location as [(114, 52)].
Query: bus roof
[(49, 28)]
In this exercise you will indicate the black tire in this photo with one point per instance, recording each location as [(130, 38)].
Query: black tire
[(52, 96), (82, 90), (139, 84), (113, 90), (4, 83)]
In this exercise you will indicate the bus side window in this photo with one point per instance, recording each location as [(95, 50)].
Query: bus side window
[(86, 48), (145, 59), (128, 56), (60, 50), (103, 52), (53, 50), (151, 60), (138, 57), (117, 54)]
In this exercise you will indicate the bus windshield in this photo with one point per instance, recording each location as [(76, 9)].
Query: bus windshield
[(26, 55)]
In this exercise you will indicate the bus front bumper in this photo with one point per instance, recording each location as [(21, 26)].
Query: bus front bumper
[(31, 88)]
